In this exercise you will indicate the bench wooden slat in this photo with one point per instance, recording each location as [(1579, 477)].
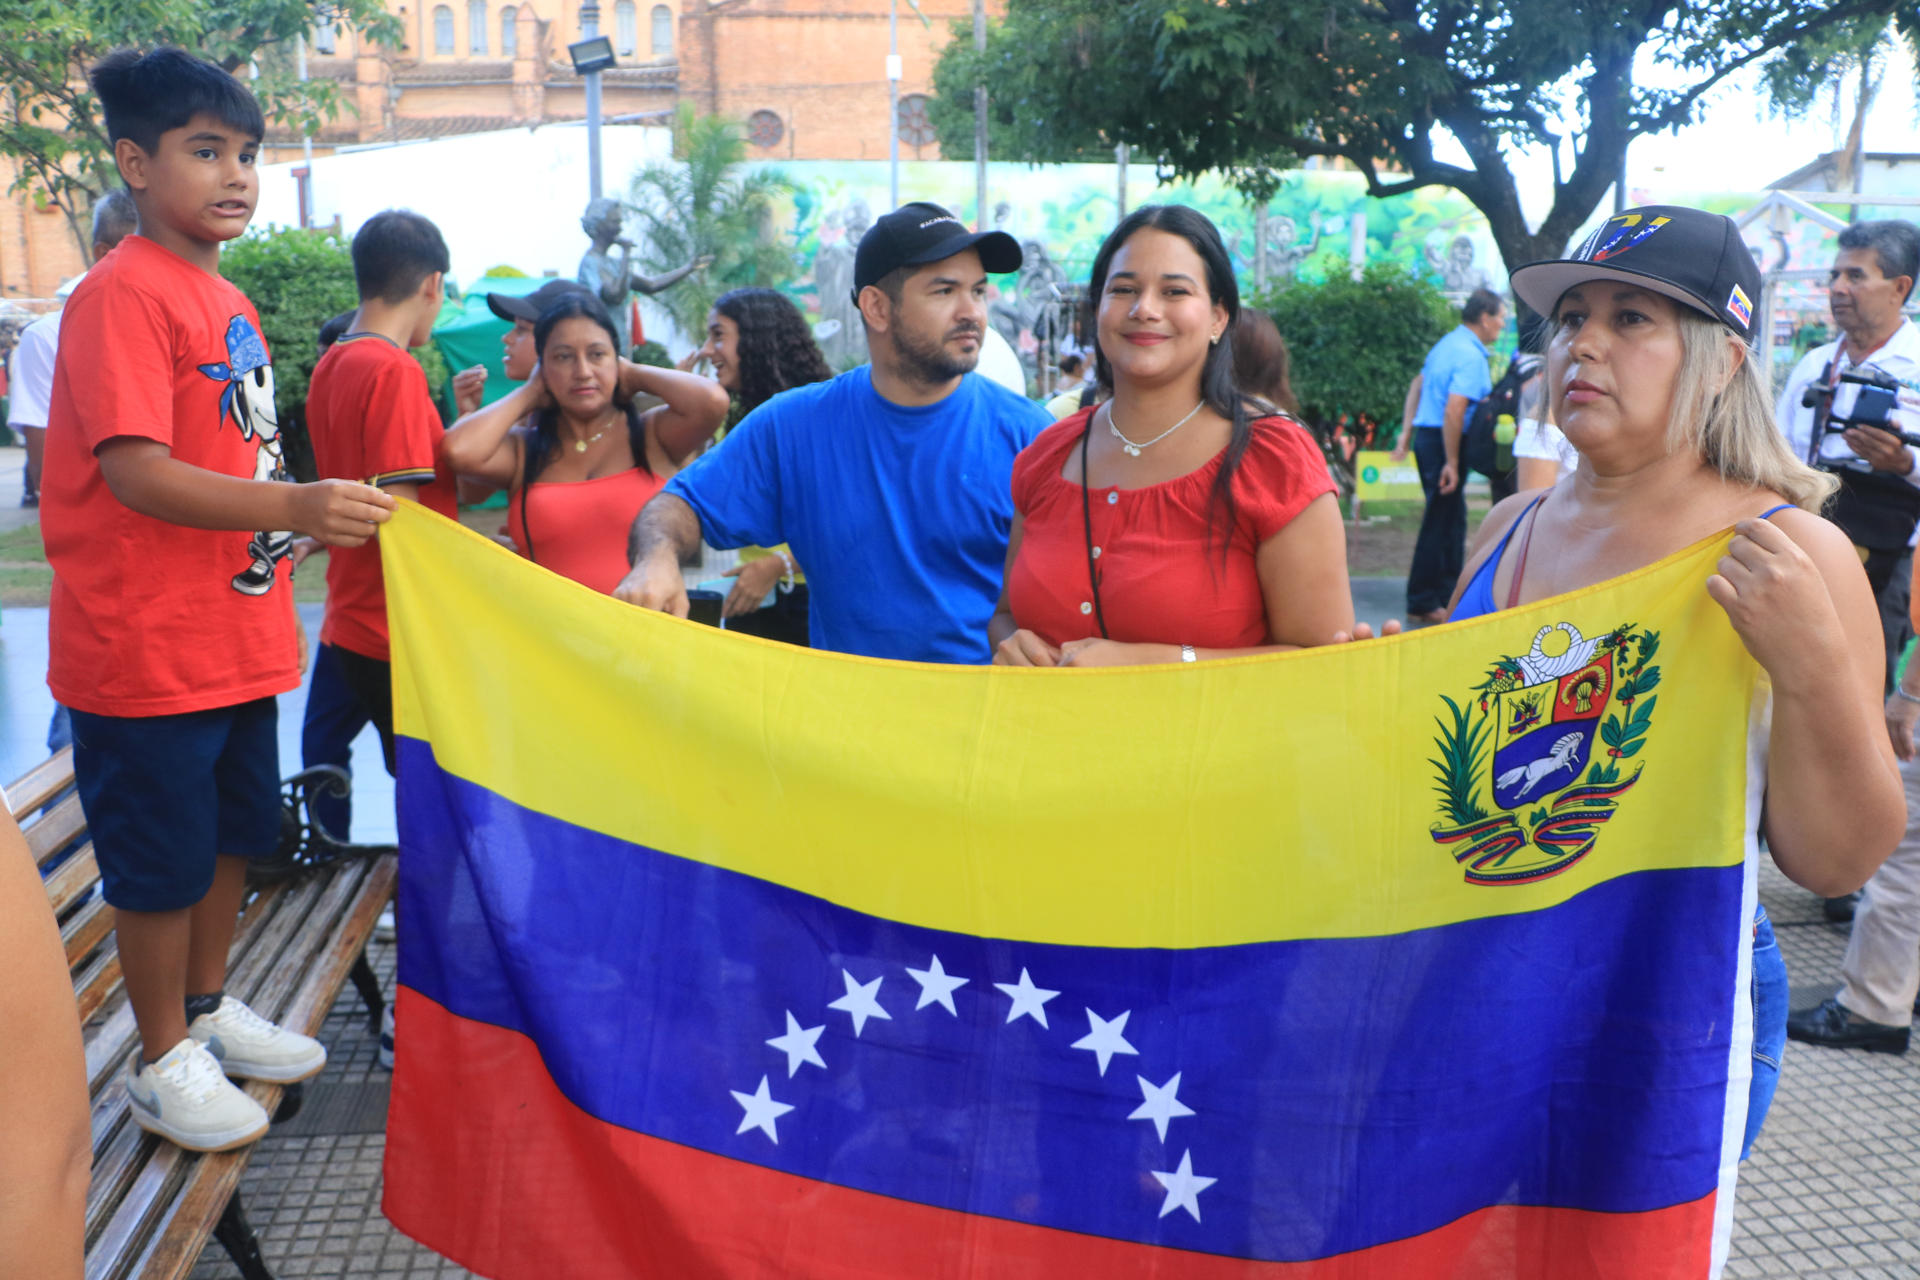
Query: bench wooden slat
[(97, 981), (115, 1163), (134, 1215), (87, 929), (73, 879), (184, 1232), (40, 783), (56, 830)]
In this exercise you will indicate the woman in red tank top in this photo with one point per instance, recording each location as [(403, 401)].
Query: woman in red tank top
[(577, 459), (1179, 520)]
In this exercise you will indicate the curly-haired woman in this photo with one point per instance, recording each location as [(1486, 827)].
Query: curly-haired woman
[(759, 345)]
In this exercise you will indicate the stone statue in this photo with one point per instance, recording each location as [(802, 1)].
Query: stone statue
[(614, 279), (1280, 248), (843, 338), (1456, 269), (1032, 308)]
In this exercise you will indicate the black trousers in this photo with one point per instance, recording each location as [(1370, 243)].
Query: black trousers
[(371, 682), (1890, 574), (1441, 550)]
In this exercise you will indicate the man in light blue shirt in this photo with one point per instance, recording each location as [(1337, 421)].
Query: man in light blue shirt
[(892, 482), (1455, 377)]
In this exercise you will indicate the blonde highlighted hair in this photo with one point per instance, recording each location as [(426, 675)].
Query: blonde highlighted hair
[(1722, 412)]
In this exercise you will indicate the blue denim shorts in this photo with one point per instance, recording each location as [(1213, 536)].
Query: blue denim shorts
[(164, 795), (1770, 996)]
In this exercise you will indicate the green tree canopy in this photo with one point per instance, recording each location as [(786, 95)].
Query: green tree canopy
[(1248, 87), (50, 123), (705, 203)]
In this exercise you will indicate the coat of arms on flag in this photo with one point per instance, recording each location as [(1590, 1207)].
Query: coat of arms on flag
[(1526, 742)]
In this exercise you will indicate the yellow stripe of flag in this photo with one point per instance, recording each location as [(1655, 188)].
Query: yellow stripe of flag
[(1045, 806)]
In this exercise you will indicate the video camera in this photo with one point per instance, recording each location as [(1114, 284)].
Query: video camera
[(1873, 404)]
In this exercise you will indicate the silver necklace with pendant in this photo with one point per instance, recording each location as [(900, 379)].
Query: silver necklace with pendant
[(1134, 449)]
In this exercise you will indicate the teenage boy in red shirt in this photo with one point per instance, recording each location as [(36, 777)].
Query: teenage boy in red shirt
[(372, 418), (164, 510)]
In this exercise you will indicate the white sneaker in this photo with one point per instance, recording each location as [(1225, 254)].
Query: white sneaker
[(251, 1048), (385, 1052), (185, 1099), (383, 928)]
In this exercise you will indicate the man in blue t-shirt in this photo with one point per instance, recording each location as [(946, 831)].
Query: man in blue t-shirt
[(892, 482), (1455, 377)]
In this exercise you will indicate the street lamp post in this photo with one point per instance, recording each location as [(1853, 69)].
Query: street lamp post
[(589, 28), (893, 104), (592, 54), (980, 121)]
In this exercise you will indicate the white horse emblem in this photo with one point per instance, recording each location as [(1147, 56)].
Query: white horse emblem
[(1533, 773)]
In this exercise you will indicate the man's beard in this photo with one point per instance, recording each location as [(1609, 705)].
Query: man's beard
[(930, 362)]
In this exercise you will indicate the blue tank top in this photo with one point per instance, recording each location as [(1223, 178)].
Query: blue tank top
[(1478, 599)]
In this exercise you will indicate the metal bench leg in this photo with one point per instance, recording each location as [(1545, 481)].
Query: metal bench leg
[(236, 1237), (369, 988)]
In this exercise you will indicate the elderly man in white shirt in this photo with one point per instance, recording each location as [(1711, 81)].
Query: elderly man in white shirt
[(1879, 501), (30, 374), (1872, 278)]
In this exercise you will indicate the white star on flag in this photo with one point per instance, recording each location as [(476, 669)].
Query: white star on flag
[(1103, 1038), (798, 1044), (1028, 999), (1162, 1103), (937, 986), (861, 1002), (762, 1111), (1183, 1187)]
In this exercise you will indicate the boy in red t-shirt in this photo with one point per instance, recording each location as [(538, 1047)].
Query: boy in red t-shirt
[(372, 418), (171, 628)]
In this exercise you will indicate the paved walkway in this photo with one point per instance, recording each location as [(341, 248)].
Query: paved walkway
[(1832, 1190)]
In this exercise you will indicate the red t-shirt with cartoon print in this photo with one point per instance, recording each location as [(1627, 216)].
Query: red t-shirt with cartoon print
[(150, 618)]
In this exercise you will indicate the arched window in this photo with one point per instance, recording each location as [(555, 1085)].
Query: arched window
[(323, 38), (476, 26), (442, 29), (510, 31), (662, 31), (626, 28)]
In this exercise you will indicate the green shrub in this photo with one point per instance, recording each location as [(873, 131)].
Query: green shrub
[(1355, 345), (652, 353), (296, 280)]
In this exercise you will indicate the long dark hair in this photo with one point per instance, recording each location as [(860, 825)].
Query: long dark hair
[(1261, 365), (1217, 386), (544, 440), (776, 350)]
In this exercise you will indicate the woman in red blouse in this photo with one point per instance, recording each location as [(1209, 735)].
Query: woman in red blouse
[(1170, 523)]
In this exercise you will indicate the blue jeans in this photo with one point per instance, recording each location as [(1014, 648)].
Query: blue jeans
[(1770, 996), (334, 718)]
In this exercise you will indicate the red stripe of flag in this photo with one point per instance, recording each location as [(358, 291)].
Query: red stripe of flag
[(491, 1165)]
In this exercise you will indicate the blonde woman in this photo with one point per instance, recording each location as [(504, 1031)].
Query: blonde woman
[(1651, 376)]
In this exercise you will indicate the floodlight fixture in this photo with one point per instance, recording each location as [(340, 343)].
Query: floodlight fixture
[(595, 53)]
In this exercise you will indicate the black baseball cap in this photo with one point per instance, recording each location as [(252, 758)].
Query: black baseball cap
[(918, 233), (529, 306), (1694, 257)]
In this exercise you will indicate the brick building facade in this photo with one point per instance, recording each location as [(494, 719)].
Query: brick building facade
[(807, 78)]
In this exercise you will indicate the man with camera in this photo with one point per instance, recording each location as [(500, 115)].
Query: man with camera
[(1837, 420), (1852, 407)]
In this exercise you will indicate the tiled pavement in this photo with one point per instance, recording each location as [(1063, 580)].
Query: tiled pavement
[(1832, 1190)]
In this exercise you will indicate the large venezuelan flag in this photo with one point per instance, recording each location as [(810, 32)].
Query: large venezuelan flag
[(1420, 958)]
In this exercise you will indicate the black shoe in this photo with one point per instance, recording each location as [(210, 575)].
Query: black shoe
[(1840, 910), (1833, 1025), (30, 500)]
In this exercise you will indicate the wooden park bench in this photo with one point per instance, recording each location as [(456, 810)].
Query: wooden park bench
[(302, 934)]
